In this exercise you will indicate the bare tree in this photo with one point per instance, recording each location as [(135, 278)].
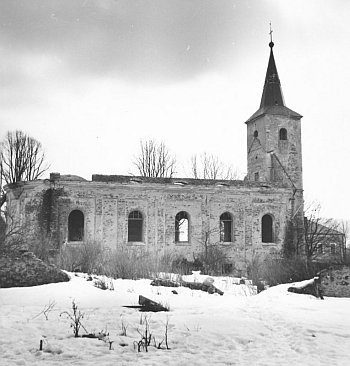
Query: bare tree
[(214, 254), (209, 166), (323, 240), (11, 236), (343, 227), (155, 160), (21, 158)]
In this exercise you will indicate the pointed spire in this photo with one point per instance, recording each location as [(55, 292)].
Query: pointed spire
[(272, 93), (272, 101)]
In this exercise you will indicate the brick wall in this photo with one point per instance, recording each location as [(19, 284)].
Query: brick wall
[(27, 270), (106, 202)]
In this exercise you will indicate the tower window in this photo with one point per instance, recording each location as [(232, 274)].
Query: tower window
[(283, 134), (181, 227), (256, 177), (135, 223), (267, 229), (76, 226), (226, 227), (256, 133)]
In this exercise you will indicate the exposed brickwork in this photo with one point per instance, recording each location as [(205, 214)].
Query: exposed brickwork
[(27, 270), (276, 160), (107, 202), (335, 281)]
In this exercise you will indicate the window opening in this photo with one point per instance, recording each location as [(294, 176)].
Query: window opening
[(320, 249), (135, 223), (332, 248), (227, 268), (267, 229), (283, 134), (256, 177), (76, 226), (256, 133), (226, 227), (181, 227)]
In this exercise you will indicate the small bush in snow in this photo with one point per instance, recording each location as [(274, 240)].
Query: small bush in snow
[(93, 257), (75, 317), (89, 257), (124, 327), (146, 335), (276, 270), (104, 284)]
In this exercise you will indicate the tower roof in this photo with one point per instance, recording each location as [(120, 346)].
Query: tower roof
[(272, 101), (272, 93)]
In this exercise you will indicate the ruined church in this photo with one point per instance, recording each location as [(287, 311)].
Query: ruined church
[(257, 215)]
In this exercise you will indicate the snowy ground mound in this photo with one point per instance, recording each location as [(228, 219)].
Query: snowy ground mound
[(275, 327)]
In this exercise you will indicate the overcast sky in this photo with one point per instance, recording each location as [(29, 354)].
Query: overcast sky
[(90, 78)]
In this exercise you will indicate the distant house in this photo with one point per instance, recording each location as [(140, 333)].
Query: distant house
[(324, 243)]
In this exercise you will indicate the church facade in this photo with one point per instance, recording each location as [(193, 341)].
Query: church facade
[(182, 215)]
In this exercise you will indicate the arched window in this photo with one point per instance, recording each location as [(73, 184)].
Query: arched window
[(226, 227), (256, 133), (283, 134), (76, 226), (267, 229), (135, 223), (181, 227)]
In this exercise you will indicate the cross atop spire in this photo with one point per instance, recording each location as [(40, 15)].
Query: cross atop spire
[(271, 44), (271, 34)]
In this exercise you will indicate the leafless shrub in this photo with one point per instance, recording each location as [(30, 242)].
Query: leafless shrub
[(166, 324), (285, 270), (146, 335), (89, 257), (214, 253), (12, 237), (124, 327), (104, 283), (130, 264), (41, 245), (47, 310), (75, 318), (125, 263)]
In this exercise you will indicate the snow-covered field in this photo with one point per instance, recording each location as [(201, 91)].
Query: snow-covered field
[(273, 328)]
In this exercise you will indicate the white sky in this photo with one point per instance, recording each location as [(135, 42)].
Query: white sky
[(89, 79)]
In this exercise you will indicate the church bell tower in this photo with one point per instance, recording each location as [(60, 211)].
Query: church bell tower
[(274, 136)]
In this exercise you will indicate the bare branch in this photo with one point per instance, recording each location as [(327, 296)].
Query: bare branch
[(21, 158), (323, 237), (155, 160), (209, 166)]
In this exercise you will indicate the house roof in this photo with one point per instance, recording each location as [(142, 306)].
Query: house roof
[(326, 228)]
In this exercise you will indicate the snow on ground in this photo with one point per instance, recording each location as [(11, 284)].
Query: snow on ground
[(275, 327)]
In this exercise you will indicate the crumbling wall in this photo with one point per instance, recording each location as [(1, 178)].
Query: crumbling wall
[(27, 270), (106, 205), (335, 281)]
